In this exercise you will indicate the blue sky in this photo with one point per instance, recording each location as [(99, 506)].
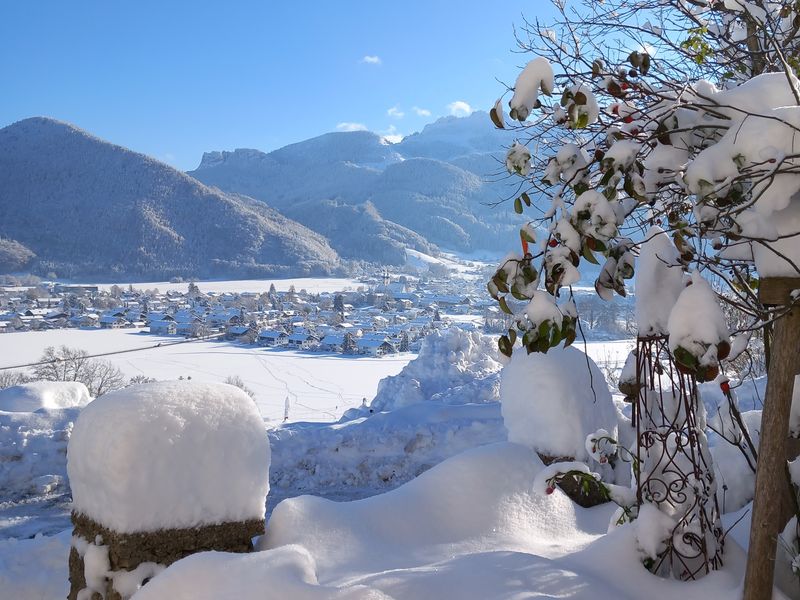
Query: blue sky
[(174, 79)]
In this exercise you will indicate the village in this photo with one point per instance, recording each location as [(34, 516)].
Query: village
[(384, 315)]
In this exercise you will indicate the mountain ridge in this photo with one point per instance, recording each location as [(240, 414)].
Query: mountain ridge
[(80, 205)]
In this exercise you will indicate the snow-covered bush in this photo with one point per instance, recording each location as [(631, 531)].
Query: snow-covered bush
[(454, 366), (552, 402)]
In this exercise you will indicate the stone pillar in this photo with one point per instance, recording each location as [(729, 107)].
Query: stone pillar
[(160, 471)]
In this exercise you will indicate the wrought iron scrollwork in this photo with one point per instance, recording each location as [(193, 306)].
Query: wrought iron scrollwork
[(674, 466)]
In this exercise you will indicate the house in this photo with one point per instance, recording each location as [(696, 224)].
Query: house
[(110, 321), (236, 332), (165, 327), (332, 342), (193, 328), (374, 347), (301, 340), (271, 338)]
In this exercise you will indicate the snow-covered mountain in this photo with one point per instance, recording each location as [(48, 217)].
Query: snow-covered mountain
[(73, 204), (439, 183)]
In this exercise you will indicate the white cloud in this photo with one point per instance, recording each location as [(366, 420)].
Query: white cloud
[(395, 112), (391, 135), (348, 126), (421, 112), (459, 108), (371, 59)]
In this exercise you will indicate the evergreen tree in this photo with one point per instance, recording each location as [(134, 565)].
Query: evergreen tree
[(338, 303), (349, 344), (404, 343)]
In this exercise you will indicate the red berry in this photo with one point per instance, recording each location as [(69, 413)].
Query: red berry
[(725, 387), (549, 490), (628, 119), (552, 243), (624, 86)]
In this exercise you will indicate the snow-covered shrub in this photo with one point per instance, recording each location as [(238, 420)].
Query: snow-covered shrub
[(454, 366), (169, 455), (552, 402), (698, 335)]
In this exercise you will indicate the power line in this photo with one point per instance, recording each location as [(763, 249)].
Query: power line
[(153, 347)]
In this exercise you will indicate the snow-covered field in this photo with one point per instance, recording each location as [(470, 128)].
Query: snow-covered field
[(320, 387)]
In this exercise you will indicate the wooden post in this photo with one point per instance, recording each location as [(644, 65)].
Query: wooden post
[(772, 498)]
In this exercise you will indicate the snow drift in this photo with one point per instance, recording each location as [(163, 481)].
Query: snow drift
[(454, 366)]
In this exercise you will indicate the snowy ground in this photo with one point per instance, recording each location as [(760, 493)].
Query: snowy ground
[(357, 458), (320, 386)]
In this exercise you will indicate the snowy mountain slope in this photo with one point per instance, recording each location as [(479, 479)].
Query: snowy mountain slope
[(451, 137), (84, 206), (438, 183), (358, 231)]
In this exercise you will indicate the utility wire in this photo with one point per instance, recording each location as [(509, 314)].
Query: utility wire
[(153, 347)]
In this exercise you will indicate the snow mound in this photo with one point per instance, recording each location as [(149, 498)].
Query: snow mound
[(289, 572), (30, 397), (472, 528), (379, 452), (169, 455), (548, 403), (35, 569), (454, 366), (659, 282), (33, 447)]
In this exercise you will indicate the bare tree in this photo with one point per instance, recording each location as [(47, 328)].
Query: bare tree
[(237, 381), (12, 377), (73, 364)]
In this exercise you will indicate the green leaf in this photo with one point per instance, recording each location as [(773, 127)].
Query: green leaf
[(526, 199), (523, 233), (555, 338), (685, 358), (517, 293), (580, 188), (512, 336), (587, 253), (529, 274), (544, 330), (645, 64), (504, 305), (580, 99), (518, 206), (529, 337), (505, 345), (500, 283), (496, 119), (569, 334)]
